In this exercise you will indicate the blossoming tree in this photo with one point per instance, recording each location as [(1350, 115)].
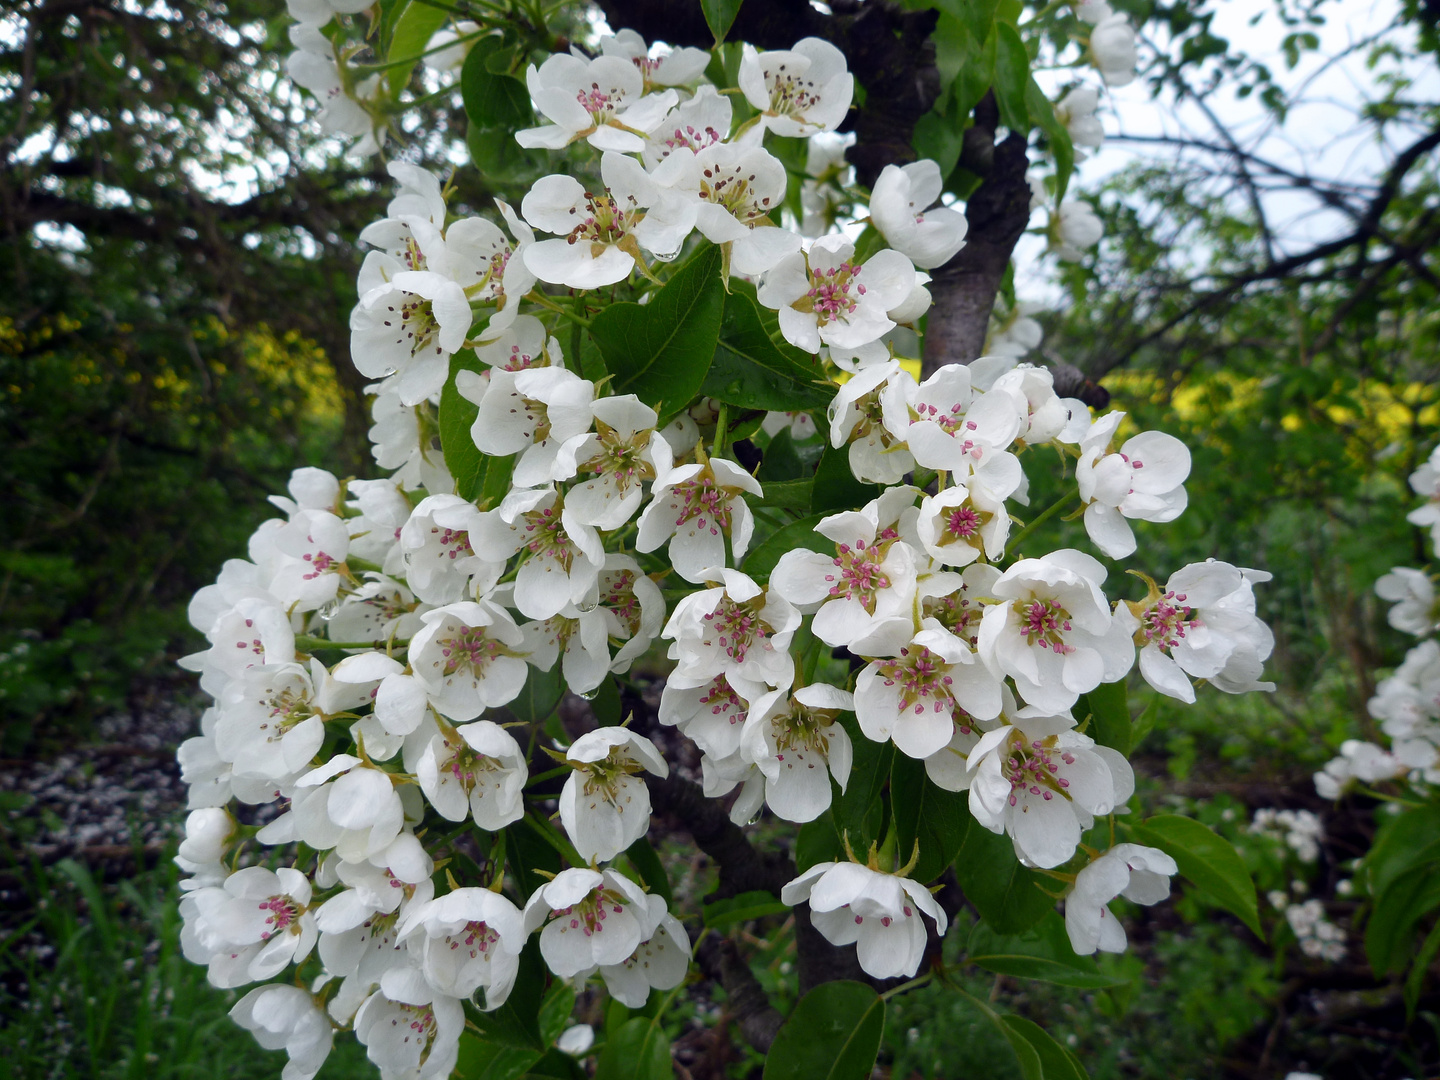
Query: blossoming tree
[(687, 436)]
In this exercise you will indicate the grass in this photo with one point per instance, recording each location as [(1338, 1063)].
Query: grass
[(93, 984)]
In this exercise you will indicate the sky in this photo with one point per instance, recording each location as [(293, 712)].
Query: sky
[(1321, 136)]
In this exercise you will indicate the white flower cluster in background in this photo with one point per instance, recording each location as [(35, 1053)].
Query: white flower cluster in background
[(1319, 938), (1299, 830), (1407, 704), (434, 610)]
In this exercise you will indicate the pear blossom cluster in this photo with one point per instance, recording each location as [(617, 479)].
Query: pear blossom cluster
[(1407, 703), (367, 658)]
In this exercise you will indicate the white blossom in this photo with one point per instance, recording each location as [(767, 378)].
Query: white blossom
[(417, 1040), (1052, 630), (602, 101), (1044, 784), (657, 66), (465, 658), (602, 233), (611, 464), (1112, 48), (467, 940), (879, 913), (695, 508), (738, 630), (824, 298), (605, 805), (1413, 594), (564, 557), (591, 918), (901, 207), (286, 1017), (1142, 480), (1140, 874), (474, 770), (798, 91), (795, 741)]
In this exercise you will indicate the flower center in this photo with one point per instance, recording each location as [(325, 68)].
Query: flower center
[(283, 912), (604, 222), (453, 544), (701, 498), (721, 698), (830, 292), (466, 767), (1044, 622), (601, 104), (468, 650), (605, 777), (803, 729), (422, 1026), (791, 94), (691, 138), (546, 536), (956, 614), (1035, 768), (418, 321), (1165, 622), (474, 937), (963, 523), (619, 457), (619, 596), (859, 574), (732, 188), (589, 915), (288, 707), (737, 628), (922, 678)]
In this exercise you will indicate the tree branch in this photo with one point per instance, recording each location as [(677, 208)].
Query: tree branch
[(964, 288)]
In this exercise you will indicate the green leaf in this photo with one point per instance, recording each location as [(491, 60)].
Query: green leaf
[(606, 704), (1042, 112), (457, 415), (1012, 75), (1042, 952), (1056, 1062), (538, 698), (1208, 861), (660, 351), (818, 841), (832, 1034), (859, 811), (1415, 981), (786, 495), (496, 484), (527, 854), (638, 1050), (555, 1011), (1109, 713), (495, 152), (926, 814), (493, 100), (481, 1059), (413, 30), (1007, 895), (977, 16), (798, 534), (754, 372), (939, 138), (743, 908), (556, 1065), (517, 1022), (977, 74), (652, 871), (782, 460), (1402, 842), (835, 485), (1389, 933), (720, 16)]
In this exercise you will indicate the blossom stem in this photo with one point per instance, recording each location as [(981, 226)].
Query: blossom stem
[(554, 839), (1045, 515), (550, 774), (310, 643), (915, 983), (416, 57), (718, 447), (536, 296)]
